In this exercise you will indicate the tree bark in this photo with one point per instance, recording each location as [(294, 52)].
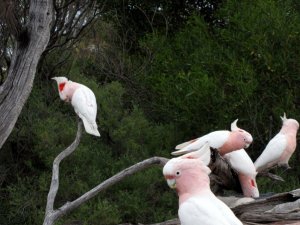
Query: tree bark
[(51, 216), (26, 54)]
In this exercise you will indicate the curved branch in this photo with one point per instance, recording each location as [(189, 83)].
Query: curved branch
[(109, 182), (52, 215), (55, 170)]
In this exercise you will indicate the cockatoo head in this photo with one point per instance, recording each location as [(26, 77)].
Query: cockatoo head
[(249, 186), (289, 125), (243, 137), (61, 82), (183, 172)]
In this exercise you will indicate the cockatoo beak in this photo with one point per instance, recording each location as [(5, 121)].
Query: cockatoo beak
[(171, 183)]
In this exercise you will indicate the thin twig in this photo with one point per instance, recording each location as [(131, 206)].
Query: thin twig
[(271, 175)]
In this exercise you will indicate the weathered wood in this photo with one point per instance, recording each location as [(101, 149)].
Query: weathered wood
[(26, 54), (69, 206), (279, 208), (222, 176), (271, 175), (50, 215)]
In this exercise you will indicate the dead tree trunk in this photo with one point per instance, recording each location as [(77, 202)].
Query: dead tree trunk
[(26, 54)]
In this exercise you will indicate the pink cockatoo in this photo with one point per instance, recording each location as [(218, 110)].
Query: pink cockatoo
[(82, 99), (241, 162), (280, 148), (197, 203), (223, 140)]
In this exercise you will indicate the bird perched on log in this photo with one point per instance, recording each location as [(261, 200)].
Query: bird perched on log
[(241, 162), (280, 148), (197, 203), (82, 99), (223, 140)]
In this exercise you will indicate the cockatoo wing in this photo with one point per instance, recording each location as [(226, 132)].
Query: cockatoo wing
[(205, 210), (182, 145), (226, 211), (203, 153), (84, 103), (271, 153), (241, 162), (215, 140)]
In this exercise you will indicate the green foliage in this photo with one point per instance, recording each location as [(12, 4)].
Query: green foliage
[(200, 79), (127, 138), (247, 69)]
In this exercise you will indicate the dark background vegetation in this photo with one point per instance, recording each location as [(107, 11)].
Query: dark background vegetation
[(163, 72)]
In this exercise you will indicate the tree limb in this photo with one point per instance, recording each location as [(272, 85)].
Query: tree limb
[(55, 170), (109, 182), (271, 175), (52, 215)]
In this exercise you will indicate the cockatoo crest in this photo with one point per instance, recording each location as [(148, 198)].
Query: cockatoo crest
[(234, 126), (283, 118)]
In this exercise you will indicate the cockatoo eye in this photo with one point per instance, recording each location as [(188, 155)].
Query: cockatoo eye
[(178, 173)]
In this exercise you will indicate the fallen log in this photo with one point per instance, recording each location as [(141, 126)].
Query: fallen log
[(278, 209)]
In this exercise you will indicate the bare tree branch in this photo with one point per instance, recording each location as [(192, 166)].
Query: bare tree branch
[(55, 171), (271, 175), (111, 181), (52, 215)]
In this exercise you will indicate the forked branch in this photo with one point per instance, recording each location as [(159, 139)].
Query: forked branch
[(52, 214)]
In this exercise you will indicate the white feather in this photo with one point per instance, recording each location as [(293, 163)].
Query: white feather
[(84, 103), (272, 152), (203, 153), (215, 139), (206, 210), (241, 162)]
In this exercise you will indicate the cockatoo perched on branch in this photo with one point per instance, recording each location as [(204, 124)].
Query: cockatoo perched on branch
[(82, 99), (197, 203), (223, 140), (241, 162), (280, 148)]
